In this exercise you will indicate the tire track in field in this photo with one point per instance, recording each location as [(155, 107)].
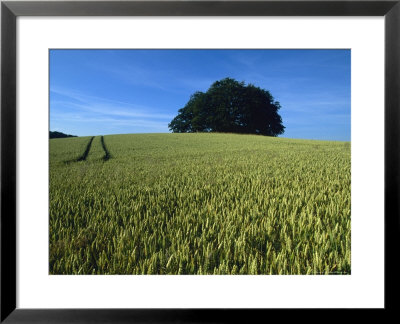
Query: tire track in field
[(86, 153), (107, 154)]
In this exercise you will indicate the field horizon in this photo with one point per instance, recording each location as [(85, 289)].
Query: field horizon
[(226, 133), (199, 203)]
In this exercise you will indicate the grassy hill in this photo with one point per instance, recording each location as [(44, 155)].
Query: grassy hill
[(199, 204)]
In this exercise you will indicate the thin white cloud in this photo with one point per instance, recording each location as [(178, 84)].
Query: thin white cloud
[(114, 121), (75, 108), (105, 106)]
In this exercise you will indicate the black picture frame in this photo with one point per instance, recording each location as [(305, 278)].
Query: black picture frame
[(10, 10)]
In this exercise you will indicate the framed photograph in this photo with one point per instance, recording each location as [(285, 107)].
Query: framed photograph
[(186, 161)]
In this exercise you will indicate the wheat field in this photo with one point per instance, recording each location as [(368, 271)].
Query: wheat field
[(202, 203)]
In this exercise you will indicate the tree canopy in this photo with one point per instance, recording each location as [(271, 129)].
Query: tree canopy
[(59, 135), (230, 106)]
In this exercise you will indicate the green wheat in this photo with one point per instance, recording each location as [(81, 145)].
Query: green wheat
[(200, 204)]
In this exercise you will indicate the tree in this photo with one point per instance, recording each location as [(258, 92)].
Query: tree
[(230, 106), (59, 135)]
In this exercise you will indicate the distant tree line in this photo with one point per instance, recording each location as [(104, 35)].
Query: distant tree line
[(60, 135), (230, 106)]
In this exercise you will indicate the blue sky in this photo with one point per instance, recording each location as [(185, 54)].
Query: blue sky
[(99, 92)]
